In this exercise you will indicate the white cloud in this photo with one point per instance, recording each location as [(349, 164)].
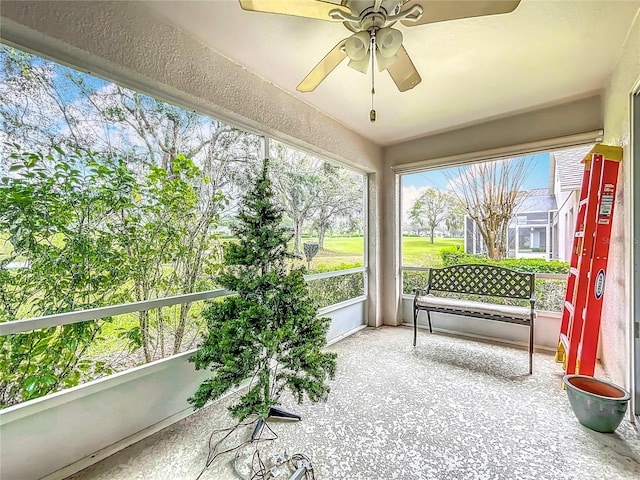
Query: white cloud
[(409, 195)]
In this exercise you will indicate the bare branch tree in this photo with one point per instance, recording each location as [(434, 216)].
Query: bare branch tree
[(490, 193)]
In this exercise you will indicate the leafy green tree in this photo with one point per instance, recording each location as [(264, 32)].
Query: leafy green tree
[(299, 183), (430, 209), (56, 210), (268, 331), (157, 233), (35, 110), (454, 219), (340, 197), (165, 235)]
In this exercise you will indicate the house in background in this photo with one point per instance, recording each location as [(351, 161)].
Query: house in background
[(544, 223), (530, 229), (566, 169)]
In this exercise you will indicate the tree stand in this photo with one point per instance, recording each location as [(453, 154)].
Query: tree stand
[(274, 412)]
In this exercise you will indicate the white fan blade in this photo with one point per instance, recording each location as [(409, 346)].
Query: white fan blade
[(440, 11), (299, 8), (323, 68), (403, 72)]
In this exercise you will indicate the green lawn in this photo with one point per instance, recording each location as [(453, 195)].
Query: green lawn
[(419, 252), (338, 253), (349, 252)]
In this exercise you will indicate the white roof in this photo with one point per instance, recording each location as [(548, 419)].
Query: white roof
[(569, 167)]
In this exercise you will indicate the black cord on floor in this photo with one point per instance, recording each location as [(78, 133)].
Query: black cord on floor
[(259, 469)]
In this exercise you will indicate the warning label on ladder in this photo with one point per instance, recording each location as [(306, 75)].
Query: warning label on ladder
[(606, 204)]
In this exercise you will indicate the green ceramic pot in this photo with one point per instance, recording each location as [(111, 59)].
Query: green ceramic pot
[(598, 405)]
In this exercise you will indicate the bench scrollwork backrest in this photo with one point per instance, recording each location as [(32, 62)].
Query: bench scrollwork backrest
[(481, 279)]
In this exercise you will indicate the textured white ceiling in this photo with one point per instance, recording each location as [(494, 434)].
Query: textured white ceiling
[(472, 69)]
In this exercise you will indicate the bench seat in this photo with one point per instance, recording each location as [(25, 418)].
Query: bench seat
[(453, 305)]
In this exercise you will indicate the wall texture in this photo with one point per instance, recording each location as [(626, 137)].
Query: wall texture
[(616, 316), (544, 124)]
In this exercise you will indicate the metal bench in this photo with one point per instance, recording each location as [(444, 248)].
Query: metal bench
[(485, 281)]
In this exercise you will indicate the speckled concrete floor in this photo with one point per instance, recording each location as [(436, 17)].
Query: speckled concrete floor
[(450, 408)]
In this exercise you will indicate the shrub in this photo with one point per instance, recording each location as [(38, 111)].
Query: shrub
[(451, 256), (329, 291), (412, 279), (538, 265)]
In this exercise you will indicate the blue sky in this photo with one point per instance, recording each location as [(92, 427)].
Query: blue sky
[(413, 185), (538, 178)]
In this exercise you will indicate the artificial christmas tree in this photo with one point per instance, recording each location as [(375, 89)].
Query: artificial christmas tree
[(268, 330)]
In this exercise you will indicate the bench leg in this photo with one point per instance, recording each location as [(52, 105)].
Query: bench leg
[(429, 318), (531, 347), (415, 325)]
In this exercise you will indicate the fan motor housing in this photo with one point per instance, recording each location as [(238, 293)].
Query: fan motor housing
[(369, 18), (360, 7)]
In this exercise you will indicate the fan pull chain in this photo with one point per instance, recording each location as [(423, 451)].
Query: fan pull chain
[(372, 113)]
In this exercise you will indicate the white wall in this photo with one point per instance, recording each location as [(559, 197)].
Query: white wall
[(568, 207), (345, 318), (616, 315), (546, 123)]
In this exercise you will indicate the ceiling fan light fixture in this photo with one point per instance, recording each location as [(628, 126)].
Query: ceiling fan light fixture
[(385, 62), (373, 40), (388, 41), (357, 46), (360, 65)]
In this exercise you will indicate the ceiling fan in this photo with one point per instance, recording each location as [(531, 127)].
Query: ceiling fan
[(373, 39)]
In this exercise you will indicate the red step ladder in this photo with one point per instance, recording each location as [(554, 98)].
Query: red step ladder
[(580, 328)]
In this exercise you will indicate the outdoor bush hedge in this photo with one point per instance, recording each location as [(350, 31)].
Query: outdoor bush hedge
[(451, 256), (412, 279), (329, 291), (538, 265)]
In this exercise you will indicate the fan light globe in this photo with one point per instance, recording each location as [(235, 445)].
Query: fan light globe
[(385, 62), (357, 46), (360, 65), (388, 41)]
